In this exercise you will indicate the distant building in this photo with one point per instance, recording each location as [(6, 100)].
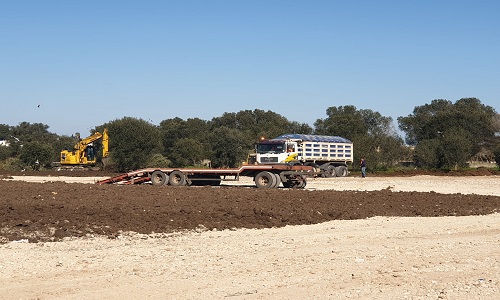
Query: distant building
[(4, 143)]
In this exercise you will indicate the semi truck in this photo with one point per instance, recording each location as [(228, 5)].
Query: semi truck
[(328, 155)]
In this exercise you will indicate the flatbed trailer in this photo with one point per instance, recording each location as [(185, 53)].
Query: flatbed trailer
[(264, 176)]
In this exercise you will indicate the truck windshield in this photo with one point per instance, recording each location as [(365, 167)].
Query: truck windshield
[(270, 148)]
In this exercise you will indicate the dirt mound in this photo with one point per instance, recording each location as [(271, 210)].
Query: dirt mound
[(52, 211)]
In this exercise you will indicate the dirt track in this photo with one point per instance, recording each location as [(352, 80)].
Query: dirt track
[(449, 248)]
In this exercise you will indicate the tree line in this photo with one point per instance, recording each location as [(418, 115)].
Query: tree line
[(441, 134)]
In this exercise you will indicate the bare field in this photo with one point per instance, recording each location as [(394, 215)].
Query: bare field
[(420, 237)]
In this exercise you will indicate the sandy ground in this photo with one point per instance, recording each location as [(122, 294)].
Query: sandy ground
[(376, 258)]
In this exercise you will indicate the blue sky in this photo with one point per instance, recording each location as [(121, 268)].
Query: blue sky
[(89, 62)]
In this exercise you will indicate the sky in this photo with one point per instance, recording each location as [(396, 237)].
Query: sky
[(75, 65)]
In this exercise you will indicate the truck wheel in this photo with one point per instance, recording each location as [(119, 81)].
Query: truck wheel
[(341, 171), (158, 178), (277, 180), (330, 171), (177, 178), (265, 180)]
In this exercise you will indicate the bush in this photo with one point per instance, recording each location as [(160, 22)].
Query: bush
[(5, 153), (496, 154), (158, 161), (11, 164)]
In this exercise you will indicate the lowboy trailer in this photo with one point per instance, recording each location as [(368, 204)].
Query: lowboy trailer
[(264, 176)]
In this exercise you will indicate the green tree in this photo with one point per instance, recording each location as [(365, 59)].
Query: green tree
[(457, 148), (301, 128), (346, 121), (174, 129), (380, 151), (36, 132), (27, 132), (428, 153), (187, 152), (132, 142), (372, 134), (229, 147), (35, 154), (5, 153), (259, 123), (458, 130), (4, 132)]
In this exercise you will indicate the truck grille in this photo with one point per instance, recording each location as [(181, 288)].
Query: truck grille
[(269, 159)]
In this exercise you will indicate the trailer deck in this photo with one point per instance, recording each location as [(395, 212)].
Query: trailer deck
[(265, 176)]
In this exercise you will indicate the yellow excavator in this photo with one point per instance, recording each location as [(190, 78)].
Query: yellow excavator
[(84, 152)]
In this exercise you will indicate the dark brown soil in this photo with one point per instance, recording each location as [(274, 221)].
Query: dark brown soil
[(52, 211)]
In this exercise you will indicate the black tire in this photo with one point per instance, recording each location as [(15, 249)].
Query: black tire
[(291, 184), (158, 178), (265, 180), (329, 171), (177, 178), (295, 184), (277, 180), (302, 184), (316, 167), (341, 171), (288, 184)]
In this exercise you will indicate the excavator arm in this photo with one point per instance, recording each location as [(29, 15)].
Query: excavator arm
[(105, 143), (86, 141)]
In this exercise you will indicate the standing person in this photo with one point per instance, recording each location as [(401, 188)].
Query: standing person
[(362, 164)]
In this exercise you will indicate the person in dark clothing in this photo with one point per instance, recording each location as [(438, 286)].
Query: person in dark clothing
[(362, 164)]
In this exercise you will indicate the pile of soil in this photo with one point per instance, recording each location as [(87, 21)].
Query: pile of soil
[(55, 210)]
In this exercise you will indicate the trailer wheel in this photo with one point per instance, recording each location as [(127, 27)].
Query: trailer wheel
[(341, 171), (295, 184), (177, 178), (265, 179), (290, 183), (158, 178), (302, 184), (287, 184)]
